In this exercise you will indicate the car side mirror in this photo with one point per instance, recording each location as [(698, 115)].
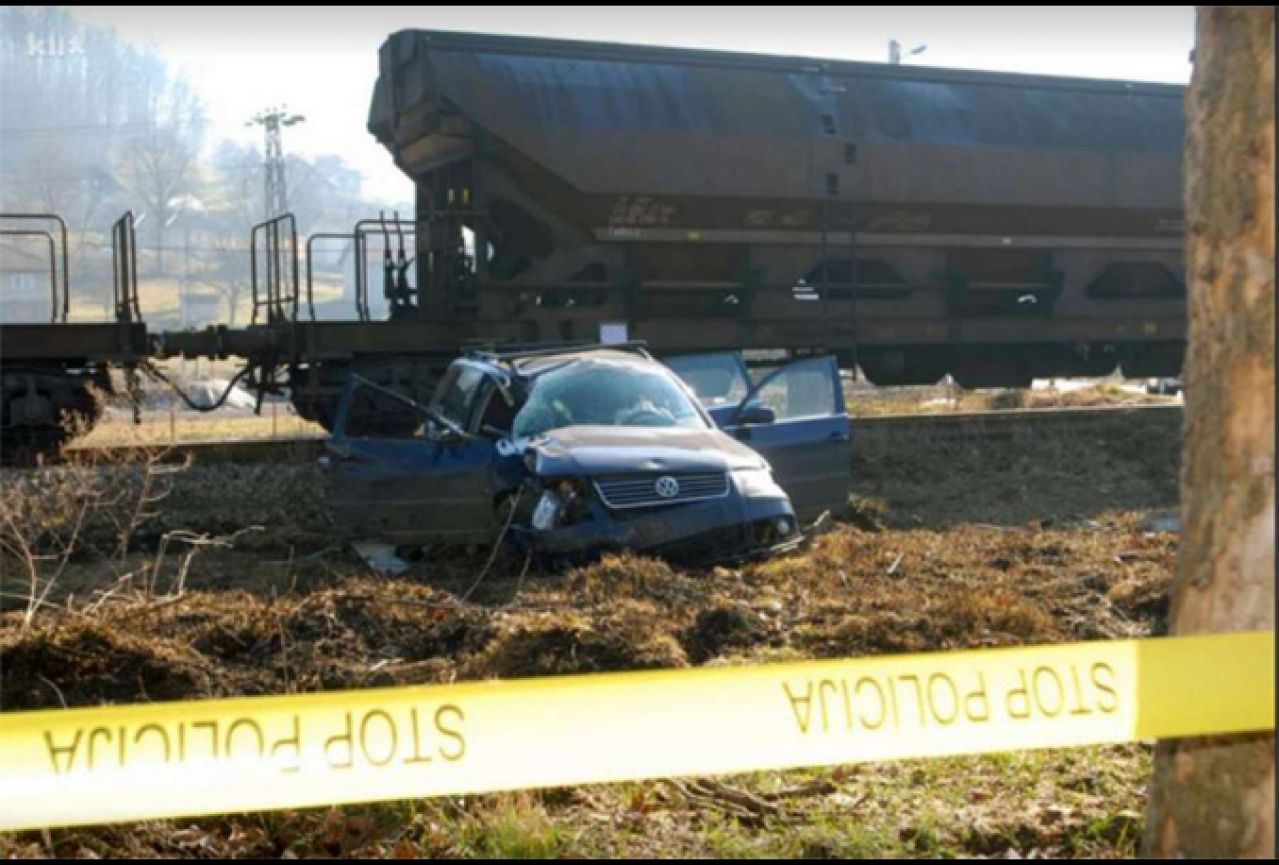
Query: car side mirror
[(756, 414)]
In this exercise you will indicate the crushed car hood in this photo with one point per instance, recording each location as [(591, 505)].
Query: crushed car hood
[(597, 450)]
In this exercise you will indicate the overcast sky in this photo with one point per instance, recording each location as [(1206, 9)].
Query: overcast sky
[(322, 61)]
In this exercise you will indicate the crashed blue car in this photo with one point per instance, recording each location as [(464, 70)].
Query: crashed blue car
[(573, 452)]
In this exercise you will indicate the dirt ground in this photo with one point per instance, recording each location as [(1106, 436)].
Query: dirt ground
[(944, 545), (1119, 464)]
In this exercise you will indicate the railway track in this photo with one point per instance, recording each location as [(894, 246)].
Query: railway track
[(219, 451), (873, 430)]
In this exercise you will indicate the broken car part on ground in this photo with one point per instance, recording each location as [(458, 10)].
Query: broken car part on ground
[(567, 453)]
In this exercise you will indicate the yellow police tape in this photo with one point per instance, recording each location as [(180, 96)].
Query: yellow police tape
[(81, 766)]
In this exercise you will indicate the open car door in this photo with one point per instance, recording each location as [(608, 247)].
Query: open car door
[(795, 416), (429, 487)]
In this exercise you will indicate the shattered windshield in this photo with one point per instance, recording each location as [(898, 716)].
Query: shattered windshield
[(591, 391)]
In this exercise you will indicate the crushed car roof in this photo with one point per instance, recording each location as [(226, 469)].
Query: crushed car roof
[(535, 363)]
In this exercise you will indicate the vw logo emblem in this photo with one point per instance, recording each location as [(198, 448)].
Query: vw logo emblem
[(667, 487)]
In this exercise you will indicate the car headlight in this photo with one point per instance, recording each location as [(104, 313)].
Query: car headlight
[(776, 530), (547, 512), (757, 483)]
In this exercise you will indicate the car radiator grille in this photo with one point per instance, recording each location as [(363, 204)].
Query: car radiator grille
[(639, 491)]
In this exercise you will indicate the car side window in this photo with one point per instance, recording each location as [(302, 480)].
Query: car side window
[(716, 379), (497, 416), (803, 389), (370, 410), (457, 393)]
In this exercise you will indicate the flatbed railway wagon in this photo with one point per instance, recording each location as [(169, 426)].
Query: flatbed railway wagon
[(50, 368)]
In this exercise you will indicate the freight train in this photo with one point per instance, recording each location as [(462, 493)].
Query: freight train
[(914, 221)]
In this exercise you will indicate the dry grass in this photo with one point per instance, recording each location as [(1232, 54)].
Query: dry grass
[(284, 611), (960, 588), (855, 593), (1081, 803), (160, 298), (165, 429), (865, 401)]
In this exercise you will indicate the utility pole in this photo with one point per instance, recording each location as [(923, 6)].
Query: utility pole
[(275, 186)]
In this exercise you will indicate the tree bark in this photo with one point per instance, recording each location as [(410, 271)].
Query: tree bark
[(1214, 796)]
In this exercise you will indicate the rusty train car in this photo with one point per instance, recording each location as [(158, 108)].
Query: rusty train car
[(918, 221), (914, 221)]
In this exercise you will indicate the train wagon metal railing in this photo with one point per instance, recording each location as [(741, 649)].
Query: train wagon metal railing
[(279, 295), (392, 269), (60, 306), (53, 275), (124, 269), (310, 255)]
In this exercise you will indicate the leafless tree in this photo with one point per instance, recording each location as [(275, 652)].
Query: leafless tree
[(84, 115), (162, 171)]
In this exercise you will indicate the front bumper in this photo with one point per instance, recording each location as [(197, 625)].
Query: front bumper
[(730, 529)]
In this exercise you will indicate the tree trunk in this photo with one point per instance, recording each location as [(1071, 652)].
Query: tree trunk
[(1214, 796)]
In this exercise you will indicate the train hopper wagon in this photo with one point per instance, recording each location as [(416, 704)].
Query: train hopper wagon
[(916, 221), (50, 369)]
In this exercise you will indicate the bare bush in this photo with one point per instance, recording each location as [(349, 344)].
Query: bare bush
[(42, 520), (93, 506)]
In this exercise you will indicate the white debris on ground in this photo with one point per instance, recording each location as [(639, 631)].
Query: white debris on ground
[(160, 401), (380, 557), (1165, 520), (1068, 385)]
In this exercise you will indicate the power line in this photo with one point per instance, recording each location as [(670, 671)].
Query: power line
[(193, 248), (84, 127)]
